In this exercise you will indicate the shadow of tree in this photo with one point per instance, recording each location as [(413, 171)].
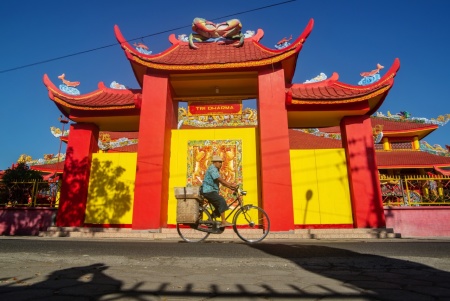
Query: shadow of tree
[(107, 187), (73, 190), (103, 178), (25, 221)]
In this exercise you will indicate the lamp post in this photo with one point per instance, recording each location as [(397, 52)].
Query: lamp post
[(53, 200), (64, 122)]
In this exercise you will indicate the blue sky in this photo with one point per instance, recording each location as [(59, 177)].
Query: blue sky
[(349, 37)]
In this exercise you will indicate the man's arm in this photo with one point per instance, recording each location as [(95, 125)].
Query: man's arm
[(227, 184)]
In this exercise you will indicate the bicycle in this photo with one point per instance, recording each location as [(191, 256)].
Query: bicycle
[(254, 222)]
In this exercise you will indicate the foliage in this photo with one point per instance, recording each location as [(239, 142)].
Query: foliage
[(3, 193), (21, 173), (18, 182)]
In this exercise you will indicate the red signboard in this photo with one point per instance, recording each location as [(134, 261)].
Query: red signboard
[(214, 108)]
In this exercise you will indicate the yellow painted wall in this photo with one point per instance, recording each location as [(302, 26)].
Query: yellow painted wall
[(111, 188), (179, 155), (320, 187), (319, 180)]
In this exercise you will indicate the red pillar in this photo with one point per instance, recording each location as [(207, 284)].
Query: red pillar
[(365, 190), (276, 182), (83, 141), (158, 118)]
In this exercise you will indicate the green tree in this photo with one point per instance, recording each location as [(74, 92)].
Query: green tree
[(21, 173), (19, 183)]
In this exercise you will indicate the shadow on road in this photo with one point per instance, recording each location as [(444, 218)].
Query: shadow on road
[(358, 277), (375, 277)]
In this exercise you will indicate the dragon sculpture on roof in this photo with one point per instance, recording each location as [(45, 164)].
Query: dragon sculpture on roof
[(205, 30)]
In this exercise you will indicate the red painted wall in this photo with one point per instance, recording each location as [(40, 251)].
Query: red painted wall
[(276, 182), (419, 221), (158, 117), (83, 141), (367, 205), (25, 221)]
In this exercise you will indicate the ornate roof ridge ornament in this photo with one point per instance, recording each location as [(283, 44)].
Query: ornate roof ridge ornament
[(105, 142), (441, 120), (68, 86), (221, 33), (377, 132), (247, 34), (321, 77), (58, 133), (283, 43), (142, 48), (116, 85), (47, 159), (316, 132), (434, 149), (371, 76)]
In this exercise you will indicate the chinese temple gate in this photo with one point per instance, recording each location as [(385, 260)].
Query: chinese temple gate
[(316, 188)]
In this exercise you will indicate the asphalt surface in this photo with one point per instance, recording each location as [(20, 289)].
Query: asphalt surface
[(33, 268)]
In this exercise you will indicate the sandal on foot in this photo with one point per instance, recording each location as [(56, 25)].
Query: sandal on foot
[(226, 224)]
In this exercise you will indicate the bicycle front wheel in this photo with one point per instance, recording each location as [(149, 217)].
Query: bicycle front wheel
[(251, 224), (196, 232)]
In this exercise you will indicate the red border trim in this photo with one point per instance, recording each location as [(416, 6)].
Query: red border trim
[(107, 226), (325, 226)]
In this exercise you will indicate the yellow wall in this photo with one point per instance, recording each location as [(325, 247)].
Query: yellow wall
[(320, 187), (179, 155), (319, 180), (111, 188)]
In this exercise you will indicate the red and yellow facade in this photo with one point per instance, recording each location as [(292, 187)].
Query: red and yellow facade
[(298, 188)]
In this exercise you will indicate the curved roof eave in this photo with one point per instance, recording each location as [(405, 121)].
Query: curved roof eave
[(403, 128), (50, 167), (409, 159), (92, 100), (404, 166), (278, 55), (420, 132), (350, 93), (298, 43)]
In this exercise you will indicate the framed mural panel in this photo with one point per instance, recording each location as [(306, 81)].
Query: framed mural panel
[(188, 163), (200, 153)]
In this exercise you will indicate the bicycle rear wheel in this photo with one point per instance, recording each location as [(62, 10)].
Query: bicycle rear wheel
[(254, 224), (193, 232)]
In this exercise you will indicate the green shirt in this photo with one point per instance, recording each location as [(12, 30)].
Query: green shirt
[(210, 182)]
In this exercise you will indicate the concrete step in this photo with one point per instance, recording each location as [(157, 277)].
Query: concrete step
[(348, 233), (228, 234)]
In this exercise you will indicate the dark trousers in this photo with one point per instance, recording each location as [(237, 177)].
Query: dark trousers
[(218, 201)]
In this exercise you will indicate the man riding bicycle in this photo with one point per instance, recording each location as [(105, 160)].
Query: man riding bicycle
[(210, 185)]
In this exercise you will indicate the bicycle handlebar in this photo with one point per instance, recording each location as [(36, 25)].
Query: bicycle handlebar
[(239, 191)]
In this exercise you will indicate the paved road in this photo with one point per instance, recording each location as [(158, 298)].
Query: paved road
[(83, 269)]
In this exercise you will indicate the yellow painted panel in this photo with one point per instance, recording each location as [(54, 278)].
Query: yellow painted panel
[(111, 188), (304, 187), (179, 155), (320, 187), (178, 163), (332, 180)]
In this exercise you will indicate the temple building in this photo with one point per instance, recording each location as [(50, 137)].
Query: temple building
[(401, 148), (263, 149)]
